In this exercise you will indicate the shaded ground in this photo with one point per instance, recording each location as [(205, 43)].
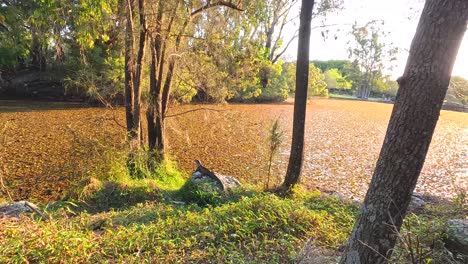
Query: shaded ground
[(46, 148)]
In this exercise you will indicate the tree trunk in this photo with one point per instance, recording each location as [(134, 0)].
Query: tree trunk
[(133, 70), (414, 117), (154, 112), (136, 129), (129, 69), (300, 98), (38, 59)]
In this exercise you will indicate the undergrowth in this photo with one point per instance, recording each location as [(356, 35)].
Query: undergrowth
[(111, 185), (422, 236), (253, 229), (156, 216)]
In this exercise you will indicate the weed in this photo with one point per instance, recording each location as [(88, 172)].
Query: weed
[(275, 139)]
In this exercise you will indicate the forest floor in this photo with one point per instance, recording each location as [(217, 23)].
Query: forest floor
[(47, 147)]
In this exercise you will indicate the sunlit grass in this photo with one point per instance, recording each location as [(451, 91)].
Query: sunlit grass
[(258, 228)]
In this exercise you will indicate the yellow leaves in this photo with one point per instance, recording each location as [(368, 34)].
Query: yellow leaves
[(105, 37)]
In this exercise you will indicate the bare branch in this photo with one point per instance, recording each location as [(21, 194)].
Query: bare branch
[(285, 48), (194, 110), (215, 4)]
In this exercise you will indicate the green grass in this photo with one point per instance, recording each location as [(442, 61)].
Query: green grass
[(113, 216), (261, 228), (116, 216), (351, 97)]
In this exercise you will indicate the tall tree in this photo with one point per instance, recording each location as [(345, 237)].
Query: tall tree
[(300, 98), (422, 89), (133, 67), (274, 19), (371, 54), (164, 60)]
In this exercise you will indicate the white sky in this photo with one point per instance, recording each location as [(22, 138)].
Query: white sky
[(400, 17)]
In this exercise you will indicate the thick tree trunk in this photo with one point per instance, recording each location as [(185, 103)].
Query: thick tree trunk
[(300, 99), (154, 112), (414, 117)]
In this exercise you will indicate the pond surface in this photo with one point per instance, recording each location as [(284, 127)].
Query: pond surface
[(45, 147)]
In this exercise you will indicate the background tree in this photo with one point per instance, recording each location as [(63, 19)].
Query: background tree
[(165, 44), (458, 91), (134, 54), (316, 85), (422, 89), (334, 79), (274, 19), (371, 55), (300, 99)]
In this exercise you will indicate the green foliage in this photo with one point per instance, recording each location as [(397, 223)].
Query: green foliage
[(277, 89), (113, 185), (260, 228), (334, 79), (289, 74), (421, 239), (385, 86), (458, 91), (317, 85), (202, 194), (14, 38), (341, 65)]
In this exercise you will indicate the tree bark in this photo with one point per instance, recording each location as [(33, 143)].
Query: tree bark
[(136, 126), (133, 71), (153, 114), (412, 123), (129, 68), (300, 98)]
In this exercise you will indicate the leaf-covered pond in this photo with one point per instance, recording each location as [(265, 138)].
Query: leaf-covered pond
[(46, 147)]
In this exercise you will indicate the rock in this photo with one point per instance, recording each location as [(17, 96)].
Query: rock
[(457, 236), (229, 182), (212, 181), (205, 182), (417, 202), (226, 183), (15, 209)]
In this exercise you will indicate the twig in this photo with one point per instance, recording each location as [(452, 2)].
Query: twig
[(5, 189), (117, 122), (360, 241), (194, 110), (36, 211)]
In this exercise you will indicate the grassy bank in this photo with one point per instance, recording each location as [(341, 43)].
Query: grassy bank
[(153, 216), (143, 220), (256, 228)]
